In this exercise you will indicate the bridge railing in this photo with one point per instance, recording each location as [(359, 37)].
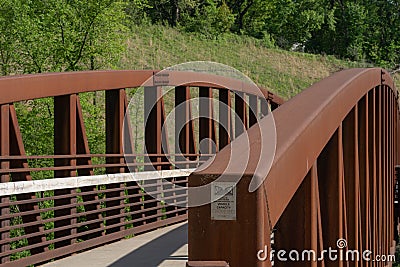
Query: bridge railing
[(91, 199), (332, 178)]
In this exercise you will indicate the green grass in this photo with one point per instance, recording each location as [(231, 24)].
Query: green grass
[(283, 72)]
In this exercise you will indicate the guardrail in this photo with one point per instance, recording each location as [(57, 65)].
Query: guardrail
[(89, 225), (332, 178), (79, 210)]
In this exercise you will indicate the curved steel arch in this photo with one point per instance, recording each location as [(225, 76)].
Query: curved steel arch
[(314, 117), (337, 139)]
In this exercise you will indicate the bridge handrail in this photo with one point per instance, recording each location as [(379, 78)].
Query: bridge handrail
[(23, 187), (83, 214), (304, 126), (325, 104), (66, 83)]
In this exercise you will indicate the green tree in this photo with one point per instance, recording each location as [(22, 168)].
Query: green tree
[(294, 21), (210, 19), (346, 36), (90, 33), (241, 9), (35, 32), (382, 44), (362, 30), (136, 11), (8, 40), (251, 16), (57, 35), (170, 12)]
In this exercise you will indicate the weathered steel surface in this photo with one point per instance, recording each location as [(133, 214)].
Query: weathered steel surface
[(330, 126), (90, 214)]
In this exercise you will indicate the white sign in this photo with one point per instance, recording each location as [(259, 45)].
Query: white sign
[(225, 207)]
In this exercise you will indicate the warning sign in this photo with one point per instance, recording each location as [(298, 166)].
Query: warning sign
[(225, 207)]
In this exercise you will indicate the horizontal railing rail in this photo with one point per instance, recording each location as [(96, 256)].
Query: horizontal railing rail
[(174, 160), (23, 187), (66, 83)]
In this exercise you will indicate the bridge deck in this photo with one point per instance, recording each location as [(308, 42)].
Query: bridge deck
[(164, 247)]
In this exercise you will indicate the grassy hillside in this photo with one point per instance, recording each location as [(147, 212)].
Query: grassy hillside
[(285, 73)]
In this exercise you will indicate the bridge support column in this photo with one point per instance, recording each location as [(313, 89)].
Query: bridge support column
[(184, 127), (156, 144), (253, 110), (184, 140), (115, 112), (70, 140), (225, 119), (65, 144), (241, 114), (207, 136)]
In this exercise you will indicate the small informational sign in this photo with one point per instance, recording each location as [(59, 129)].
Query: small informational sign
[(160, 79), (225, 207)]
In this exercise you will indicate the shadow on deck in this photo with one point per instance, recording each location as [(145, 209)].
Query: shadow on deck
[(164, 247)]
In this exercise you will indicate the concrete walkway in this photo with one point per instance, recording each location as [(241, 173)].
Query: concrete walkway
[(166, 247)]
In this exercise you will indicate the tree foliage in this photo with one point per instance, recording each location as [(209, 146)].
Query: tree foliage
[(57, 35), (209, 19), (363, 30), (89, 32), (354, 29), (8, 40)]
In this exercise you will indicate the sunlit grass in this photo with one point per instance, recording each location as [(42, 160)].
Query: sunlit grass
[(283, 72)]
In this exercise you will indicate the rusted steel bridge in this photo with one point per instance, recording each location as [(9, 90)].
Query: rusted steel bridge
[(332, 176)]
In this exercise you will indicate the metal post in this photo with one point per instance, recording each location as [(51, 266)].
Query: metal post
[(225, 118), (115, 108), (65, 144)]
